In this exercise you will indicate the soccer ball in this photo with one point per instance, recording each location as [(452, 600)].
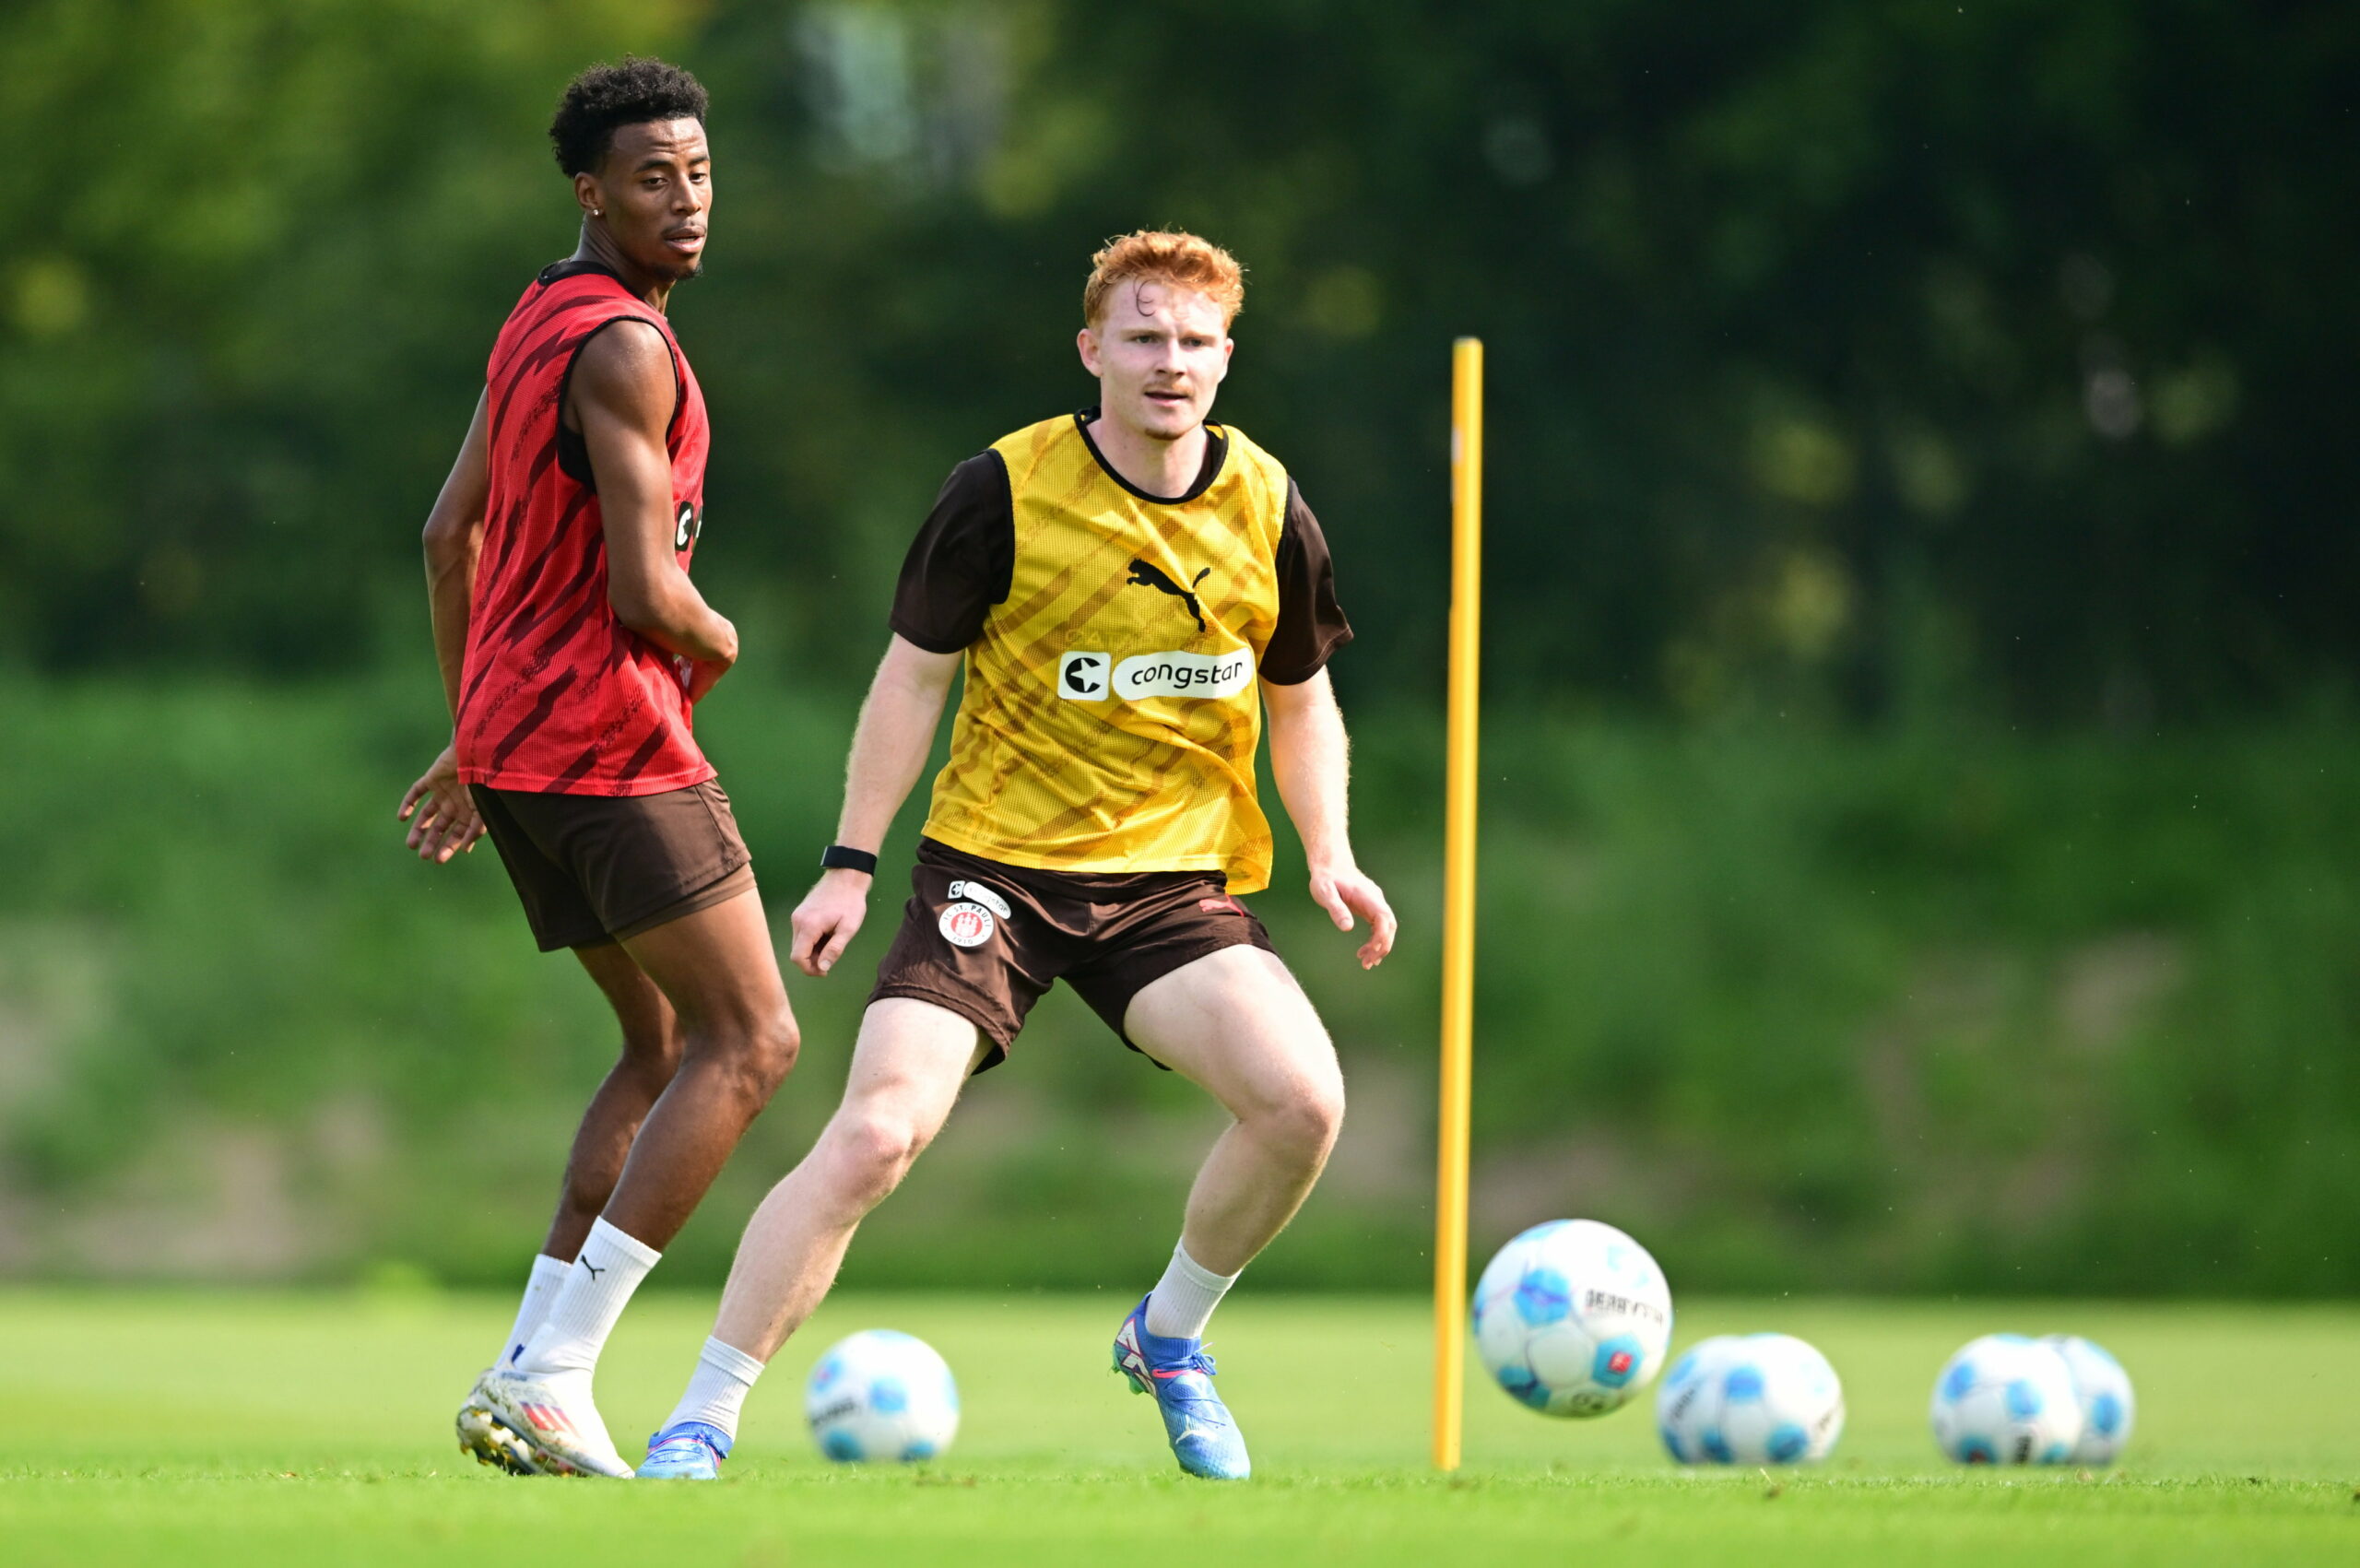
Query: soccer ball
[(2005, 1399), (2104, 1389), (1763, 1399), (881, 1395), (1680, 1397), (1571, 1317)]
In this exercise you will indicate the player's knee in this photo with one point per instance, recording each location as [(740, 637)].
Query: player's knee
[(875, 1148), (755, 1053), (770, 1052), (1309, 1118)]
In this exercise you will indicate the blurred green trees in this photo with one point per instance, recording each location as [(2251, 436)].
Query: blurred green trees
[(1855, 356), (1804, 1012), (1920, 634)]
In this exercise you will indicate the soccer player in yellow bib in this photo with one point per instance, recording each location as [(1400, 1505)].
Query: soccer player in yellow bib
[(1131, 589)]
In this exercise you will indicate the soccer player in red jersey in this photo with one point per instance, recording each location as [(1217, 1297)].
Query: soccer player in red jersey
[(574, 648)]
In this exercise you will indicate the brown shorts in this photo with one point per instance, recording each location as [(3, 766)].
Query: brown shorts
[(593, 868), (986, 940)]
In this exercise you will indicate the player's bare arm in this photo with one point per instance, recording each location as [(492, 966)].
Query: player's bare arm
[(623, 392), (889, 752), (442, 814), (1311, 758)]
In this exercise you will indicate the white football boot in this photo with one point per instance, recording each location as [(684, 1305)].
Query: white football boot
[(482, 1435), (538, 1426)]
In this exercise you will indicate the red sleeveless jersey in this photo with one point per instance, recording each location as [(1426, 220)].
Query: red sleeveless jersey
[(559, 697)]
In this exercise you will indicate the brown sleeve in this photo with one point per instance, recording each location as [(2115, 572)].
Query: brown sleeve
[(962, 562), (1311, 623)]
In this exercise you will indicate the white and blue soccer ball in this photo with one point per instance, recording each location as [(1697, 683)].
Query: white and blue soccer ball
[(2104, 1390), (1573, 1318), (2005, 1399), (1680, 1397), (1762, 1399), (881, 1395)]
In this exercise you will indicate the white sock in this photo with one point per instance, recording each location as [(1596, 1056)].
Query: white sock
[(717, 1389), (1183, 1299), (540, 1290), (596, 1288)]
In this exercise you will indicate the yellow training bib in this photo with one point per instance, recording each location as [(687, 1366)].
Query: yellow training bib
[(1112, 711)]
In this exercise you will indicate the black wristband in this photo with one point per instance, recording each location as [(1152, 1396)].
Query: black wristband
[(837, 858)]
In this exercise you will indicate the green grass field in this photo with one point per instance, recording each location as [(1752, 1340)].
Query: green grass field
[(202, 1429)]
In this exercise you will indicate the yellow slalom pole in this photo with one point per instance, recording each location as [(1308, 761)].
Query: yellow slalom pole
[(1458, 897)]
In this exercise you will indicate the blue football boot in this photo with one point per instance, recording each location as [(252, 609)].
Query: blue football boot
[(1179, 1372), (691, 1451)]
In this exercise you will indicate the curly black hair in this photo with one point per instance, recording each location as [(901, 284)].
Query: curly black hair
[(631, 93)]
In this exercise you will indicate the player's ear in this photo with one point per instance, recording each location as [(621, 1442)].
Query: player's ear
[(587, 194), (1086, 340)]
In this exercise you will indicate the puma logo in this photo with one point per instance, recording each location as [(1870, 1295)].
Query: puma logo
[(1145, 575)]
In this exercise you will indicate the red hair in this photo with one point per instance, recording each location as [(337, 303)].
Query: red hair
[(1155, 256)]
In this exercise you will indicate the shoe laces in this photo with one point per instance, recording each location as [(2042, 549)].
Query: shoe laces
[(674, 1442), (1199, 1360)]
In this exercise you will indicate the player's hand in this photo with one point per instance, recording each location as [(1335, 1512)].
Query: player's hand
[(699, 677), (1344, 892), (700, 666), (827, 920), (441, 812)]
